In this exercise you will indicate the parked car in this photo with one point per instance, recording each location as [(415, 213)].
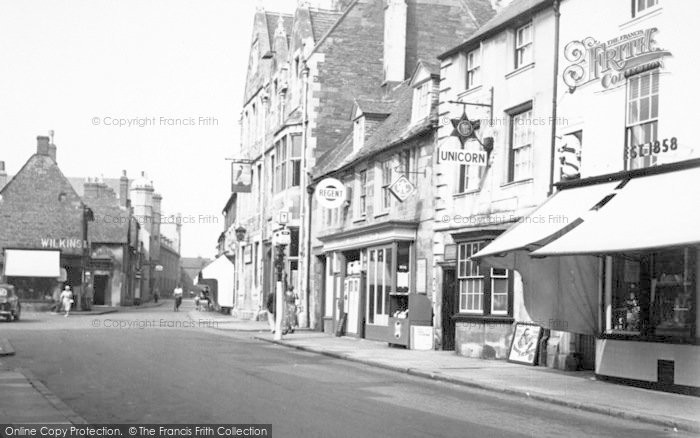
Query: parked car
[(10, 307)]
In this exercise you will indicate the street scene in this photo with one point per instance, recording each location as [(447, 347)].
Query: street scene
[(321, 218)]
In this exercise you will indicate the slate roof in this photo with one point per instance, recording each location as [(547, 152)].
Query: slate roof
[(502, 19), (322, 20), (396, 129), (39, 203), (111, 223), (78, 184), (272, 18)]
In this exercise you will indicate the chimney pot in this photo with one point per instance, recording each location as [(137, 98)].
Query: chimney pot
[(2, 166), (124, 190)]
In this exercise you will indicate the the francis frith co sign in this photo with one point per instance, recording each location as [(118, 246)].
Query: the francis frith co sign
[(611, 61), (330, 193)]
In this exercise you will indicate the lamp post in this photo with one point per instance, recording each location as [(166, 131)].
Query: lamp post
[(238, 269), (87, 216)]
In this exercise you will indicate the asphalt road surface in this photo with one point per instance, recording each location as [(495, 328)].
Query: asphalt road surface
[(157, 366)]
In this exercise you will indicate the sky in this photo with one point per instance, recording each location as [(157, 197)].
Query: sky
[(154, 86)]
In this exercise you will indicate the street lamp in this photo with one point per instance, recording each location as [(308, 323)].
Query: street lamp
[(240, 233), (88, 216)]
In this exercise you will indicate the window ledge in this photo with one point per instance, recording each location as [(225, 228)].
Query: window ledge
[(520, 182), (519, 70), (384, 213), (469, 91), (359, 219), (474, 317), (465, 194)]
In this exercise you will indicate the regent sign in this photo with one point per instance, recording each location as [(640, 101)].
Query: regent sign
[(610, 62), (330, 193)]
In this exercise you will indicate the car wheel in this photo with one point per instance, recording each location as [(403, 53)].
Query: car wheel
[(17, 314)]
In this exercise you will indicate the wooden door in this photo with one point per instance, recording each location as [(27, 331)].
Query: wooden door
[(449, 306)]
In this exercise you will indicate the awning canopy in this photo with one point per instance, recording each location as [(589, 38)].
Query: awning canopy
[(32, 263), (559, 211), (649, 212)]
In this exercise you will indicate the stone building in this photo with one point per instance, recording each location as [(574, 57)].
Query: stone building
[(624, 152), (506, 67), (375, 248), (305, 72)]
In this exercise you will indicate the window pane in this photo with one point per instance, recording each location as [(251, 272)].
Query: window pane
[(296, 146)]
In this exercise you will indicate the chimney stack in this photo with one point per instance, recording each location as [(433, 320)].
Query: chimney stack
[(42, 145), (123, 190), (3, 175)]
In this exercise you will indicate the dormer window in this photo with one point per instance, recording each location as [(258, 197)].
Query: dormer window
[(422, 95), (358, 137)]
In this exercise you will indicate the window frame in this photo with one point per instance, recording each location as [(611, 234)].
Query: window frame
[(294, 161), (467, 270), (513, 115), (473, 71), (646, 9), (386, 167), (651, 121), (522, 48), (422, 97), (362, 190), (617, 309)]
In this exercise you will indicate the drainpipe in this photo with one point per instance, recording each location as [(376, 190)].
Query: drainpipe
[(306, 207), (555, 75)]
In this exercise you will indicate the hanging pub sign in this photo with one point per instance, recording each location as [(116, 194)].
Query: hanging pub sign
[(611, 61), (402, 188), (330, 193), (241, 177)]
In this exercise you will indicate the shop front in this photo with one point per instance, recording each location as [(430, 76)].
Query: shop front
[(370, 283), (635, 243), (38, 273)]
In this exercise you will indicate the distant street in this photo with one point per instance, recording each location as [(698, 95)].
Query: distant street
[(158, 369)]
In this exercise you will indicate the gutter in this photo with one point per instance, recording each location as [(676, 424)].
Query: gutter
[(555, 83)]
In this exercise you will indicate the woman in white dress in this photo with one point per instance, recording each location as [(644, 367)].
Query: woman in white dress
[(67, 299)]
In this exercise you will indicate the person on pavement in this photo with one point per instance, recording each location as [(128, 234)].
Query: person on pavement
[(67, 300), (177, 294), (270, 305), (290, 310)]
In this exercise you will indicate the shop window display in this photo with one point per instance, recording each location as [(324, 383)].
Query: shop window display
[(654, 293)]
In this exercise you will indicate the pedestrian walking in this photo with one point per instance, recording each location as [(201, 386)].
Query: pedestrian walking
[(177, 294), (290, 310), (271, 307), (67, 300)]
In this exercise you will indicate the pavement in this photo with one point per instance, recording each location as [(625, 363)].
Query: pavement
[(26, 400), (578, 390)]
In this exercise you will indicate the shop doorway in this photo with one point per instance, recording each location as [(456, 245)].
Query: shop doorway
[(100, 287), (449, 298)]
